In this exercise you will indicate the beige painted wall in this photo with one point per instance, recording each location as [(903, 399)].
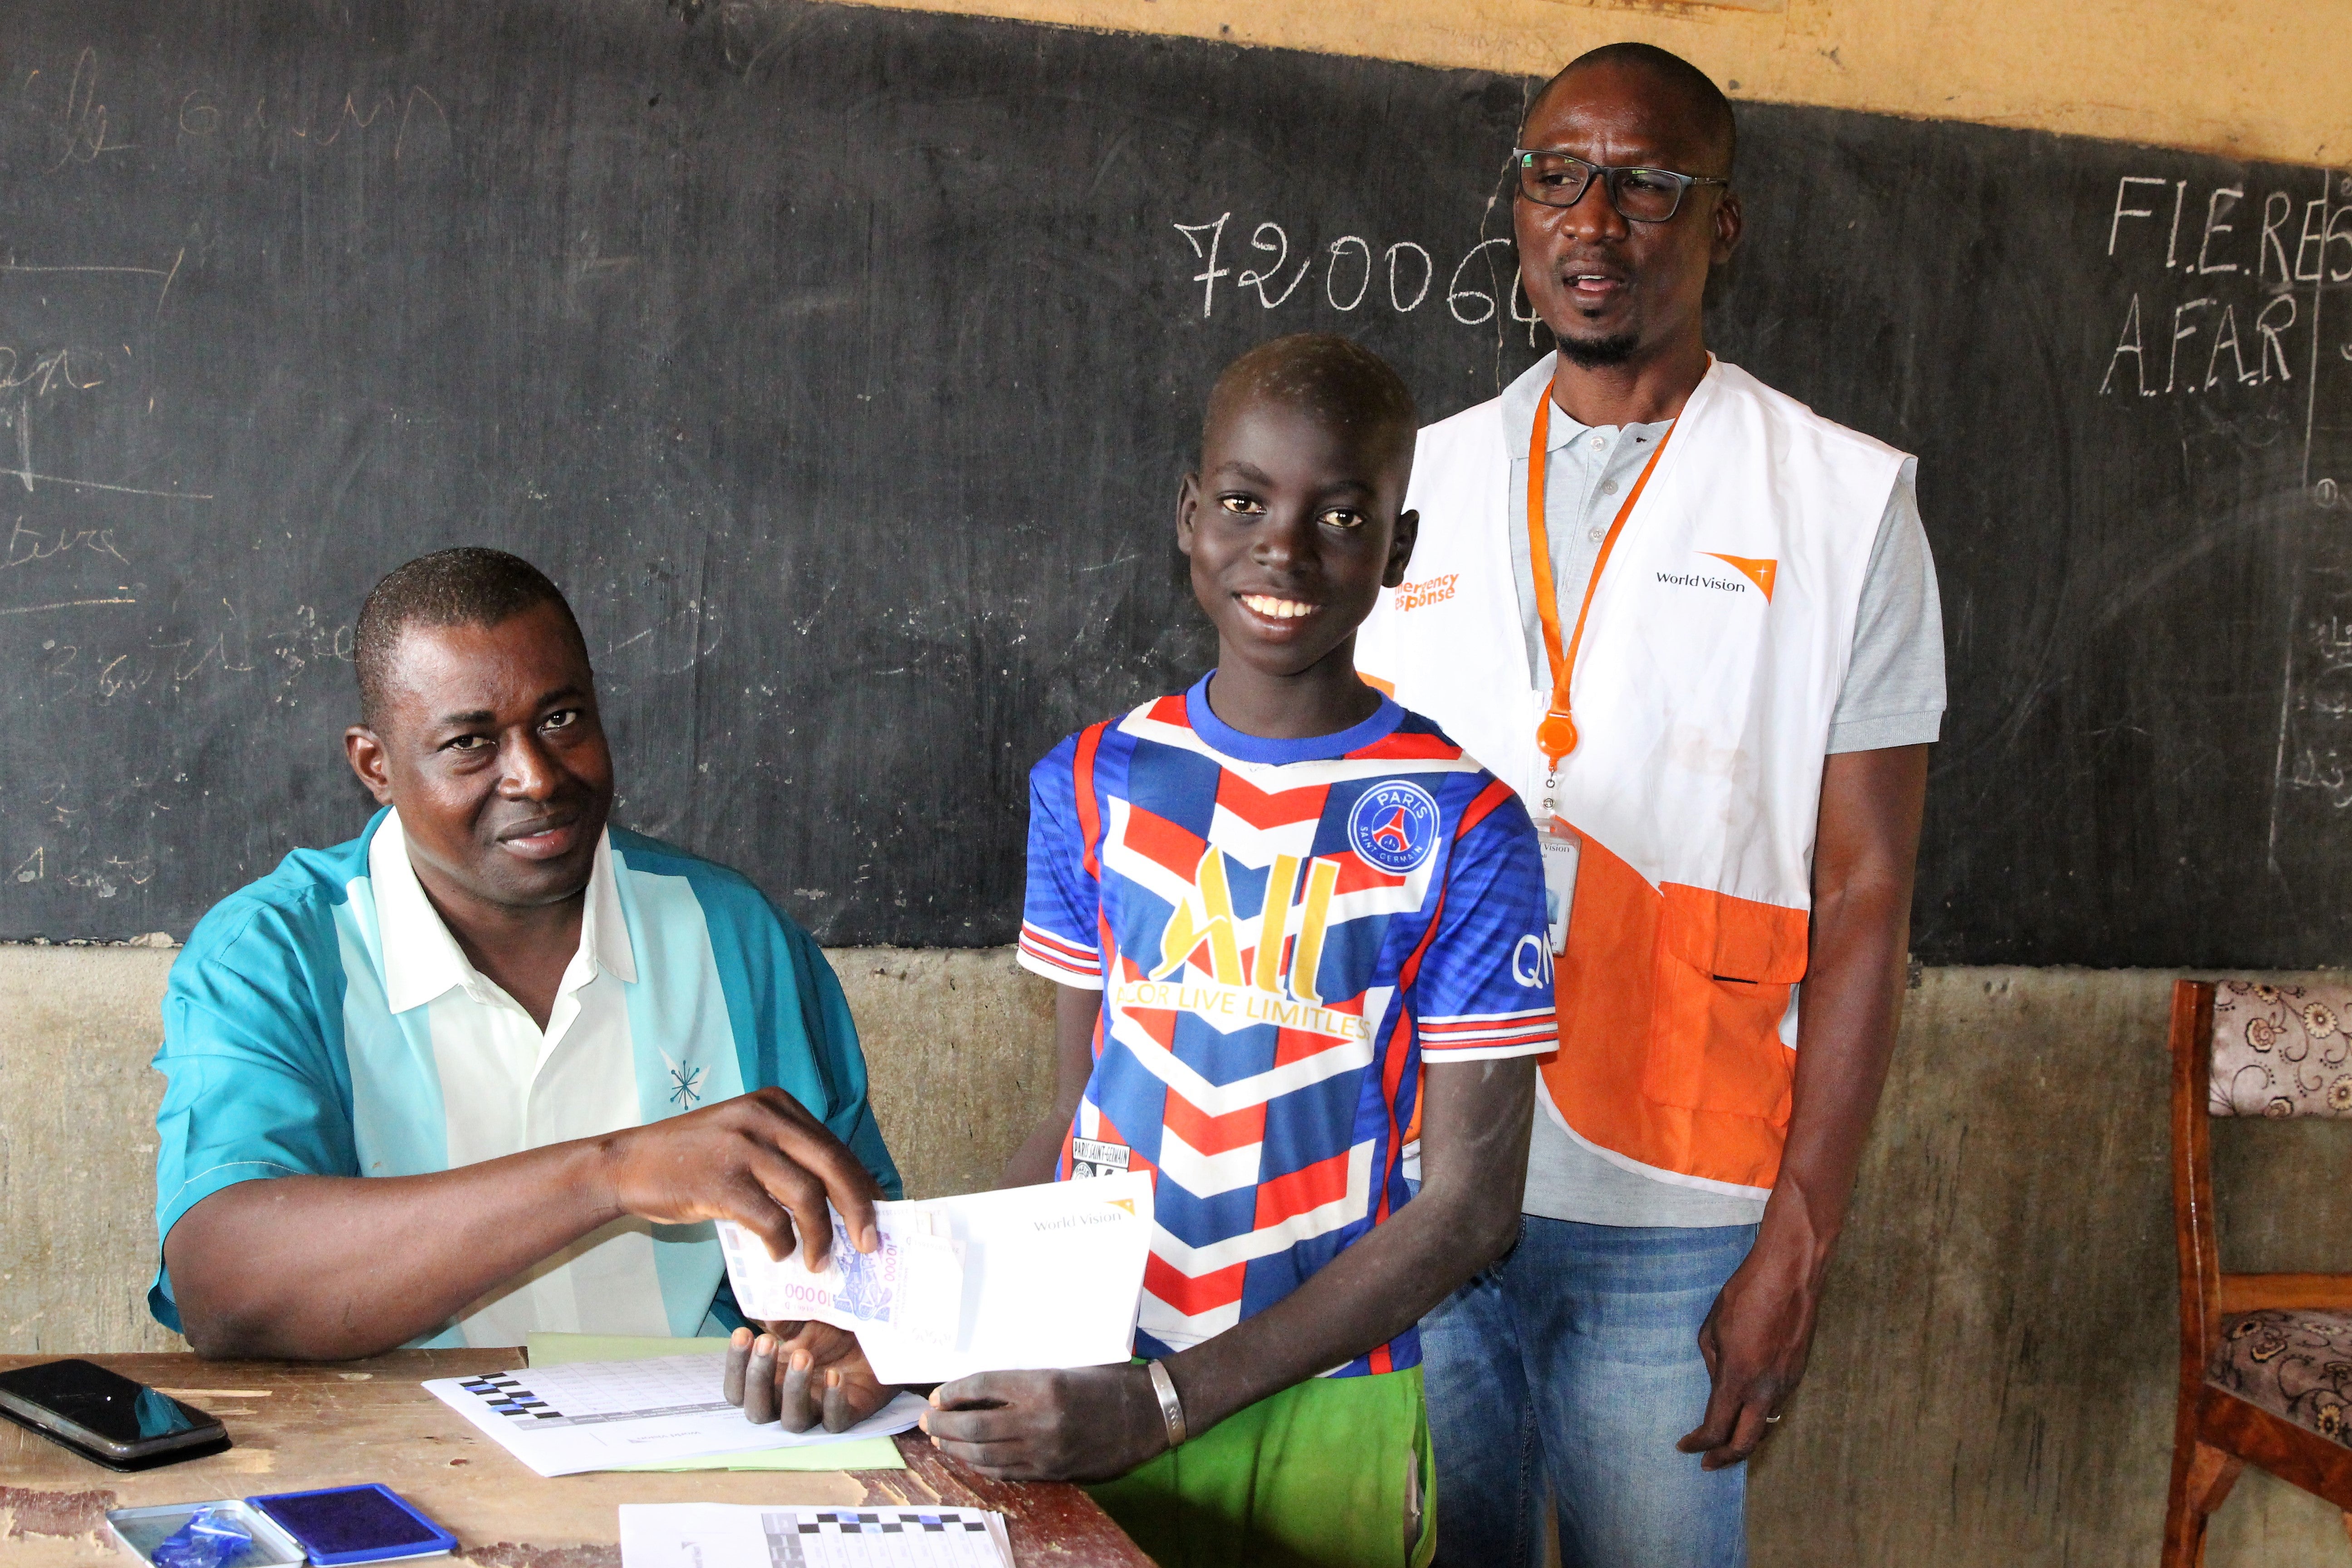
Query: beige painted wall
[(2246, 78), (1992, 1382)]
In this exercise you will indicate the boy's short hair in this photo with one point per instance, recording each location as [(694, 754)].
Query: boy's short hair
[(1335, 377), (469, 586)]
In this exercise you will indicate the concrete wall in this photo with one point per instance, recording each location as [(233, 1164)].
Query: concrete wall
[(1992, 1381), (76, 1127), (1991, 1384)]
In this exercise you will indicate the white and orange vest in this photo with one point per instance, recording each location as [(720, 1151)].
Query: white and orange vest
[(1713, 655)]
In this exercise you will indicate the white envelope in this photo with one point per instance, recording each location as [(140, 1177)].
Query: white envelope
[(1053, 1277)]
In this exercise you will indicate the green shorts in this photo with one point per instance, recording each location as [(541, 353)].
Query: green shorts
[(1323, 1475)]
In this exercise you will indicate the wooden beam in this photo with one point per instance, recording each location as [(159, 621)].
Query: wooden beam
[(2253, 1292), (2295, 1455)]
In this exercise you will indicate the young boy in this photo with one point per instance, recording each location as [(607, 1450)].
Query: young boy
[(1271, 902)]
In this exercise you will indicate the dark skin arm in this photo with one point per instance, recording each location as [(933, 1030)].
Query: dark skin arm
[(1075, 1012), (1758, 1335), (382, 1259), (1093, 1423)]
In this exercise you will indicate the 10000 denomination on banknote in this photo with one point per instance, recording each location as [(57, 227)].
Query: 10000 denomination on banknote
[(853, 1286), (912, 1282)]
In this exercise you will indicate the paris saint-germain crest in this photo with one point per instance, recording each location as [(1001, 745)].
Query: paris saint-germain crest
[(1394, 826)]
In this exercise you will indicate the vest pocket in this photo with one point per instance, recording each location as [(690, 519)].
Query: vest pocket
[(1721, 972)]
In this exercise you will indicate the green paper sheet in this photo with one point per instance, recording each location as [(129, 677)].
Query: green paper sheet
[(863, 1454)]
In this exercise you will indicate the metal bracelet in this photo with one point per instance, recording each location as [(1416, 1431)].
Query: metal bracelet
[(1171, 1409)]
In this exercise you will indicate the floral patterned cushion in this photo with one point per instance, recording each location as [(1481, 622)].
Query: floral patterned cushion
[(2297, 1364), (2281, 1050)]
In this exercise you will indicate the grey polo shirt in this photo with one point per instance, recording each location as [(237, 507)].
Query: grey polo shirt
[(1893, 696)]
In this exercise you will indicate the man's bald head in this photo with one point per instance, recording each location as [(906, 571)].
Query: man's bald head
[(1325, 374), (1689, 88)]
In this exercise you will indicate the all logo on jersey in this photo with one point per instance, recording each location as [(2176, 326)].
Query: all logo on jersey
[(1291, 929), (1395, 827), (1249, 966)]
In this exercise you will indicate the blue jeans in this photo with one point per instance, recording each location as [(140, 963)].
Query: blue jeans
[(1574, 1362)]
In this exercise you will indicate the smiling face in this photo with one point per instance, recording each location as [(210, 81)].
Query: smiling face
[(1612, 290), (1293, 525), (488, 744)]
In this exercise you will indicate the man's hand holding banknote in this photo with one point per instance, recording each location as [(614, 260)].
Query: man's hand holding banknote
[(805, 1369), (1043, 1277)]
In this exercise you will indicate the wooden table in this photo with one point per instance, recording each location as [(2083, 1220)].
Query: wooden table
[(302, 1425)]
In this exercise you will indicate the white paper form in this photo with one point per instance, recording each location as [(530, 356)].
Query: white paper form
[(593, 1415), (1052, 1277), (726, 1535)]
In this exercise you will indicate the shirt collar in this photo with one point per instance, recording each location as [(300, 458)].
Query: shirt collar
[(1520, 400), (1222, 737), (421, 960)]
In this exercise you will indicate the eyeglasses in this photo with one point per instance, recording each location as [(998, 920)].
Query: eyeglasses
[(1638, 194)]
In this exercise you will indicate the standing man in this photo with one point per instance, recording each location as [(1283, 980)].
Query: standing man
[(1696, 624)]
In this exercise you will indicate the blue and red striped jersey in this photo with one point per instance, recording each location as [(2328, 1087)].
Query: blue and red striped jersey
[(1283, 931)]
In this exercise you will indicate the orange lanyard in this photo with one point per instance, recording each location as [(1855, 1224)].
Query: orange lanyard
[(1557, 734)]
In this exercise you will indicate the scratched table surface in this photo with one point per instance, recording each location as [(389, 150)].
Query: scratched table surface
[(296, 1426)]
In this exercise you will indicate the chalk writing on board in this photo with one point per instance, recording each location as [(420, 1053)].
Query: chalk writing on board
[(103, 669), (32, 546), (165, 276), (19, 420), (66, 813), (2324, 771), (50, 372), (275, 126), (104, 875), (2221, 311), (1268, 268), (405, 120), (2320, 702), (80, 128)]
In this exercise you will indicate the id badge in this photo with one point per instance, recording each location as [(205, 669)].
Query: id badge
[(1561, 850)]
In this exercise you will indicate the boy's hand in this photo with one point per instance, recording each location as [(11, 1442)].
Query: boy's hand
[(1087, 1423), (801, 1374)]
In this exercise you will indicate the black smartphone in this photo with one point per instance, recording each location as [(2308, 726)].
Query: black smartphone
[(103, 1416)]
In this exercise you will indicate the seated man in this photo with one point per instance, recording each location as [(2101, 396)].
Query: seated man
[(491, 1066)]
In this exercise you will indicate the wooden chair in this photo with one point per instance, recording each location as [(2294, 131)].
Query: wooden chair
[(2265, 1359)]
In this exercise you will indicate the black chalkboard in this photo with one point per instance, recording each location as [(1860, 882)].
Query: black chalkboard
[(842, 364)]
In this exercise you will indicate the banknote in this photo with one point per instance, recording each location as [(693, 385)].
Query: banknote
[(912, 1282)]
